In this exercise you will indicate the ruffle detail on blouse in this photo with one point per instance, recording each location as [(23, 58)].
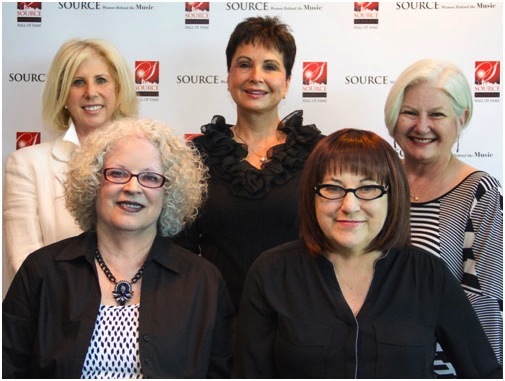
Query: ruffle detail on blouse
[(226, 158)]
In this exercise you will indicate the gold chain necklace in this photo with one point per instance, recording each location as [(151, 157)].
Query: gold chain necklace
[(416, 196), (263, 158)]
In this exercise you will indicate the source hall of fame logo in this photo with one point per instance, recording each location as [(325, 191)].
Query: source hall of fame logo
[(487, 80), (196, 14), (25, 139), (365, 14), (29, 12), (147, 78), (315, 80)]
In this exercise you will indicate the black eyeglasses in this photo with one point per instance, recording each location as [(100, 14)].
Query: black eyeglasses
[(366, 192), (122, 176)]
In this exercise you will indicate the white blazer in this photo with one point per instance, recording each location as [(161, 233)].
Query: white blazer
[(34, 212)]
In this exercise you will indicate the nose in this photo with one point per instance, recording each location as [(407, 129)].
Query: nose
[(350, 203), (133, 186), (423, 124), (91, 90), (257, 74)]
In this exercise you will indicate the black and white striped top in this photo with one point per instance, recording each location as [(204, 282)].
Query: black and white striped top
[(465, 228)]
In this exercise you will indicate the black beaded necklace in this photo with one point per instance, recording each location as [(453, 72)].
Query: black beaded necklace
[(123, 289)]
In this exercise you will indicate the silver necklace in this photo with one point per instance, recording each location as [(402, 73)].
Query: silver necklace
[(263, 158), (122, 289)]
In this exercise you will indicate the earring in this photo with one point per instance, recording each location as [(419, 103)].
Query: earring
[(66, 108), (457, 146)]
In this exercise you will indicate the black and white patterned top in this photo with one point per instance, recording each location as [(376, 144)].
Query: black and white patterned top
[(465, 228), (114, 348)]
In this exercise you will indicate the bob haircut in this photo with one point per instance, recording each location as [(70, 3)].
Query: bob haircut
[(184, 190), (62, 71), (267, 31), (360, 152), (443, 75)]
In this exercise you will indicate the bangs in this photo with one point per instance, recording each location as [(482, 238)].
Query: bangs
[(361, 156)]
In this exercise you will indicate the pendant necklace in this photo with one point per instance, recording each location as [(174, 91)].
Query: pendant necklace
[(263, 158), (416, 196), (122, 289), (443, 176)]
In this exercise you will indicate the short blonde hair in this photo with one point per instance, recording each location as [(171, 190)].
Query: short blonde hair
[(184, 190), (62, 70), (445, 75)]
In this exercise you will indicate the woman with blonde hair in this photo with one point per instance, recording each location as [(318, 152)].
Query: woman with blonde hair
[(89, 83)]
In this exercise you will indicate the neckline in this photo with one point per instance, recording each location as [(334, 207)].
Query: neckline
[(225, 156), (450, 190)]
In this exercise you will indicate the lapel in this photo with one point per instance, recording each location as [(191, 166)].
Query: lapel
[(61, 152)]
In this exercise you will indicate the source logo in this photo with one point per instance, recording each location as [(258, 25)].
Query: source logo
[(487, 79), (25, 139), (315, 79), (29, 12), (196, 13), (366, 12), (147, 78)]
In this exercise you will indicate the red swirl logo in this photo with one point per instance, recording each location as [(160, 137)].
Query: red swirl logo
[(29, 5), (487, 72), (366, 6), (315, 72), (25, 139), (147, 72), (197, 6)]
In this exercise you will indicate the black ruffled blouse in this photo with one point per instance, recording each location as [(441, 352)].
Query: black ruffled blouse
[(226, 158), (248, 210)]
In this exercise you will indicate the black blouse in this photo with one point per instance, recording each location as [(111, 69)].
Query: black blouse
[(295, 323), (248, 210), (49, 313)]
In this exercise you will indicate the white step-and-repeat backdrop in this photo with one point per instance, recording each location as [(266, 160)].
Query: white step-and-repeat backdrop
[(357, 50)]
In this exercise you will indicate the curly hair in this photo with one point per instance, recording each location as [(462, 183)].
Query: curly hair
[(61, 73), (185, 188)]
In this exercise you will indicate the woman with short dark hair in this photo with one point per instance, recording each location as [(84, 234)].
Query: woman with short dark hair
[(256, 163)]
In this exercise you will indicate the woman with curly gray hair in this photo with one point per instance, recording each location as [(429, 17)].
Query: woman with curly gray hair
[(73, 309)]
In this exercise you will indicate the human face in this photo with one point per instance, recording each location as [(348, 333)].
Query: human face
[(130, 207), (427, 126), (257, 78), (349, 223), (92, 98)]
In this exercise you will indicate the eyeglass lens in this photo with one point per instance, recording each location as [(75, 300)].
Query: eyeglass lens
[(123, 176)]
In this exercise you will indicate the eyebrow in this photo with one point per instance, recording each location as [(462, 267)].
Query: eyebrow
[(361, 181), (269, 60), (431, 109), (98, 75)]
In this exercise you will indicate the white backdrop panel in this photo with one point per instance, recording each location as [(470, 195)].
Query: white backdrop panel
[(362, 60)]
